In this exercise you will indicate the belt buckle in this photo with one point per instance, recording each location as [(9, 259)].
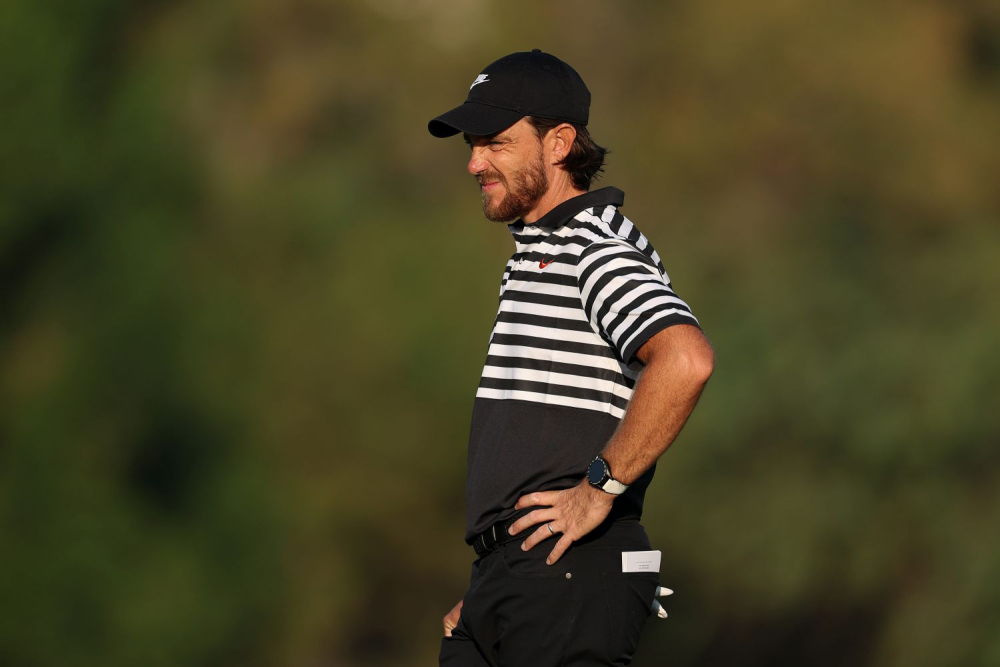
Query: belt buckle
[(488, 539)]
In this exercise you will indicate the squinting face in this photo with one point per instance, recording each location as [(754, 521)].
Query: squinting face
[(510, 171)]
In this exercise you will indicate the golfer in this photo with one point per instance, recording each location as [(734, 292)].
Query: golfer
[(593, 366)]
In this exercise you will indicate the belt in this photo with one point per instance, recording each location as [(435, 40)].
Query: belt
[(497, 535)]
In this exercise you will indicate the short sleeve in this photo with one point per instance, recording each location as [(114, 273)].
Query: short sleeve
[(626, 297)]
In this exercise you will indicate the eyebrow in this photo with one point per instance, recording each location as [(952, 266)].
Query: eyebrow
[(490, 137)]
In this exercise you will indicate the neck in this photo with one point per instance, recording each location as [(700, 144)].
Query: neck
[(561, 190)]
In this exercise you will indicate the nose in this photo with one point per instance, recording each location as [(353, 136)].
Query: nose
[(477, 164)]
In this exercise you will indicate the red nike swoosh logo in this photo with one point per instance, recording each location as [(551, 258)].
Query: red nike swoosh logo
[(542, 264)]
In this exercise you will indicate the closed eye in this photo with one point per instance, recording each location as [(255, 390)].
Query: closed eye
[(494, 144)]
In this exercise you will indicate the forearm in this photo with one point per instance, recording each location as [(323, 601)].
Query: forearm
[(678, 362), (664, 397)]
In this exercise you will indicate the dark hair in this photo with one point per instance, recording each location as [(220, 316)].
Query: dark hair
[(585, 160)]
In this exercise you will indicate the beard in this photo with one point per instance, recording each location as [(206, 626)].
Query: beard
[(523, 192)]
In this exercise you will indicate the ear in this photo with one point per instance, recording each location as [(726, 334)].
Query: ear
[(560, 140)]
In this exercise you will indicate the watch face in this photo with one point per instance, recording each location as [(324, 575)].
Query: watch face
[(596, 471)]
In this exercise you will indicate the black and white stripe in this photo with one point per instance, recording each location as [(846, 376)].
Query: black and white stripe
[(567, 333)]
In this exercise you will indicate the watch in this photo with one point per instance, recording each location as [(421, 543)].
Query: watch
[(599, 475)]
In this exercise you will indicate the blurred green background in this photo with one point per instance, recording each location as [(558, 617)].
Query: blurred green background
[(245, 300)]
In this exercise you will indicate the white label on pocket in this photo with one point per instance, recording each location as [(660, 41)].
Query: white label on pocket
[(640, 561)]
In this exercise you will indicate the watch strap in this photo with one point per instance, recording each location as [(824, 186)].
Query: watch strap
[(613, 486)]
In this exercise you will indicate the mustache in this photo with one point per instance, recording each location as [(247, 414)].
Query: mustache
[(489, 177)]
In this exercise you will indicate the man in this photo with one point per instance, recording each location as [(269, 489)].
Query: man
[(594, 364)]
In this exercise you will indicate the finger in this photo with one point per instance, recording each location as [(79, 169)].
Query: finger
[(559, 549), (530, 519), (539, 535), (539, 498), (450, 620), (658, 609), (663, 590)]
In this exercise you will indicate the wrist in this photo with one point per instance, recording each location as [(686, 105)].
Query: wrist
[(598, 496), (599, 476)]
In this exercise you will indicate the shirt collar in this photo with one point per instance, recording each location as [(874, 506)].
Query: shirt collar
[(565, 211)]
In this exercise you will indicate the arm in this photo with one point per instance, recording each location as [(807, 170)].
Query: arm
[(678, 362)]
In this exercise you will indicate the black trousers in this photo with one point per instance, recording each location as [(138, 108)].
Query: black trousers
[(583, 610)]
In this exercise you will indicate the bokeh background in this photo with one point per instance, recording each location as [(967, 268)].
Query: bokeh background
[(245, 300)]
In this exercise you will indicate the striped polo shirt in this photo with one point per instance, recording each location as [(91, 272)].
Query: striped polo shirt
[(581, 294)]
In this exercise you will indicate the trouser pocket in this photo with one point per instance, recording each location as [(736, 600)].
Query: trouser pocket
[(629, 597)]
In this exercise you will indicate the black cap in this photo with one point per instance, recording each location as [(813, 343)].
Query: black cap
[(521, 84)]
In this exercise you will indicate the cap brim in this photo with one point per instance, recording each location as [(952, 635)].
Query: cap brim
[(474, 118)]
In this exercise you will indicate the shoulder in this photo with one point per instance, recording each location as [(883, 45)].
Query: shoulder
[(604, 233), (608, 230), (599, 226), (604, 222)]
